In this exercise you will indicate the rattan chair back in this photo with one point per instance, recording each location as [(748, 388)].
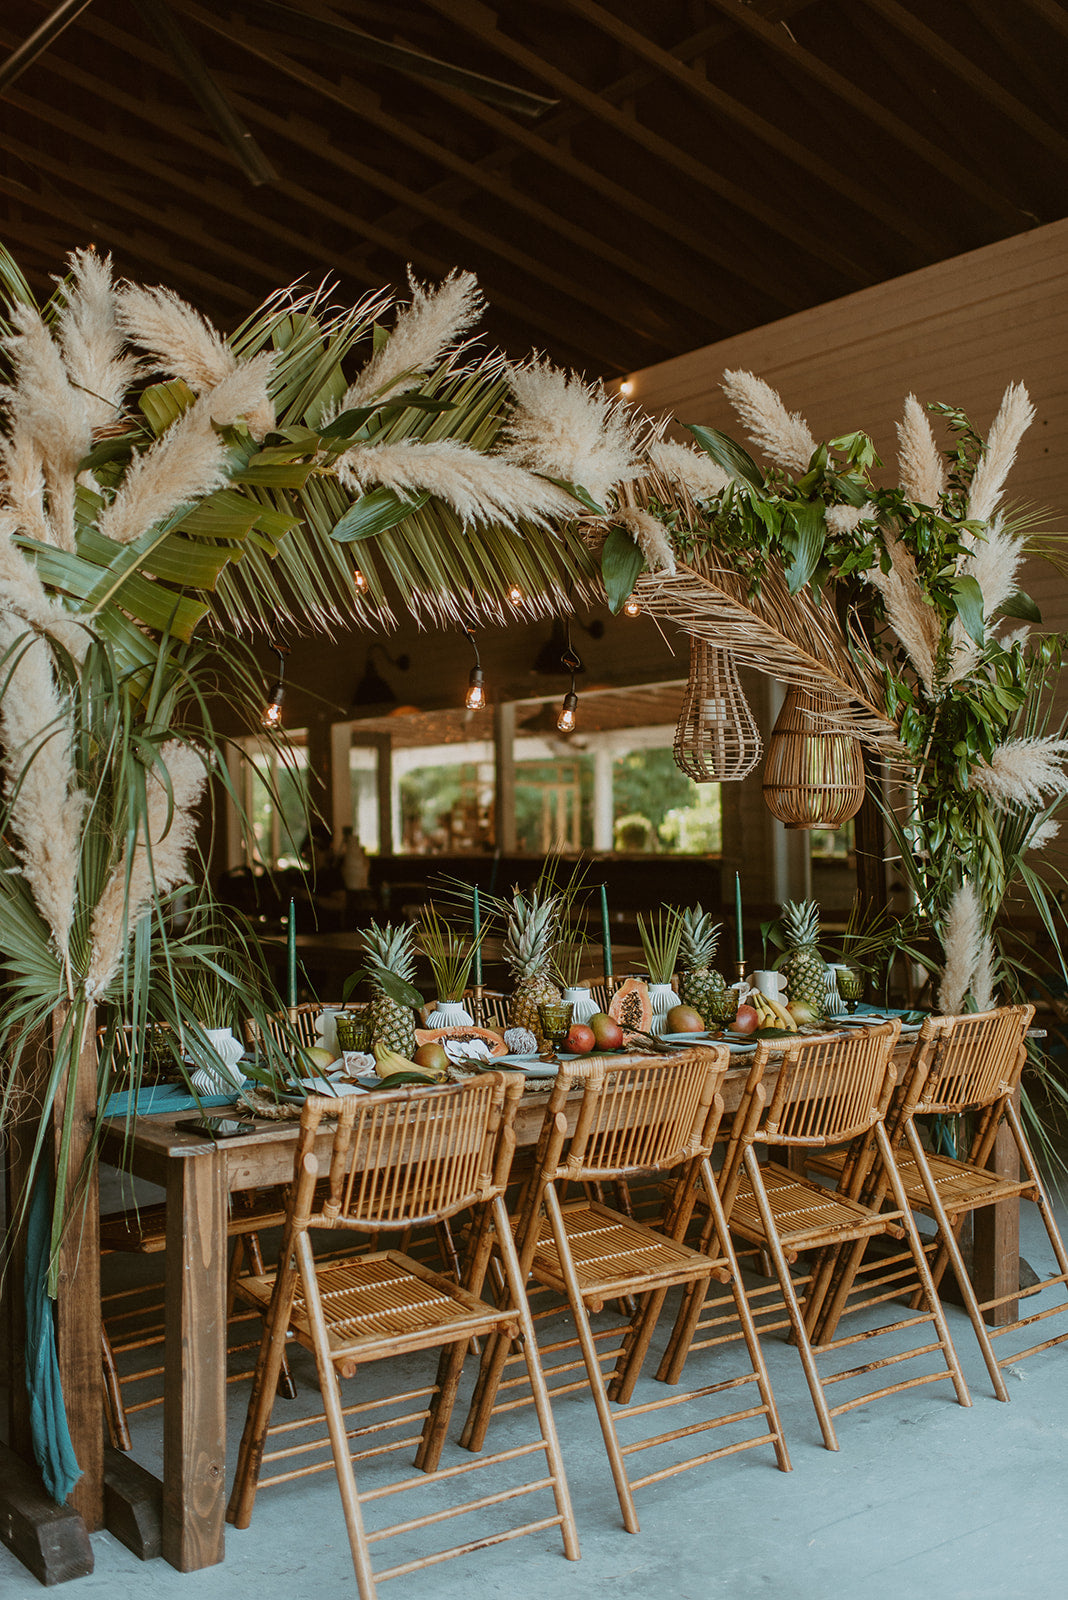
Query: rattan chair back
[(641, 1116), (829, 1089), (406, 1157), (971, 1060)]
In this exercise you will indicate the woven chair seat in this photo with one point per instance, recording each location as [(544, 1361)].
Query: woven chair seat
[(373, 1299), (614, 1254), (806, 1215), (959, 1186)]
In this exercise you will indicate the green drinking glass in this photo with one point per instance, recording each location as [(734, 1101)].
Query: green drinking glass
[(850, 987)]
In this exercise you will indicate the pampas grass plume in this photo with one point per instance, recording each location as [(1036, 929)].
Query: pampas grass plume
[(962, 941), (1015, 415), (424, 331), (699, 475), (651, 537), (564, 428), (784, 436), (479, 488), (1023, 772), (922, 473)]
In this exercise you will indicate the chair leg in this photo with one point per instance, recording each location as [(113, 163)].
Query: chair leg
[(949, 1245), (934, 1304), (251, 1245), (114, 1410), (335, 1422), (538, 1385), (264, 1388), (782, 1271), (593, 1366)]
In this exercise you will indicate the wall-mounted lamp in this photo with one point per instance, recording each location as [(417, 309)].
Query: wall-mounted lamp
[(272, 711), (372, 689)]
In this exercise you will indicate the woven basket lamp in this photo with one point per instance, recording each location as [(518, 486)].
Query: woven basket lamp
[(717, 739), (813, 778)]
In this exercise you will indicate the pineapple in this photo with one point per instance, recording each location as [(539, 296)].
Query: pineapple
[(700, 936), (528, 946), (391, 949), (804, 968)]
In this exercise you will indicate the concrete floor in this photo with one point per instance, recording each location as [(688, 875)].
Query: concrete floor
[(924, 1497)]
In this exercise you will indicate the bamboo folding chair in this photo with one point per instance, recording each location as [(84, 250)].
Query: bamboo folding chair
[(635, 1118), (972, 1064), (828, 1091), (399, 1159)]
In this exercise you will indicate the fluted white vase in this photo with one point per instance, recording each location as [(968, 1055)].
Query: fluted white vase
[(662, 997), (583, 1005), (210, 1079), (449, 1014)]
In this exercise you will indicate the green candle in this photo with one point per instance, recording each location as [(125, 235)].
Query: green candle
[(291, 957), (738, 913), (606, 932), (476, 928)]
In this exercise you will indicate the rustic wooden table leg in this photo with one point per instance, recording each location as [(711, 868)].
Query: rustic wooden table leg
[(194, 1404), (996, 1259)]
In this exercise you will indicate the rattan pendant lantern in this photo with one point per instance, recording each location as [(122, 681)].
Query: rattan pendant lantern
[(717, 739), (813, 777)]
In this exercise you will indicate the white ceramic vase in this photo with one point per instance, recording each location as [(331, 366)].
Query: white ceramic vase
[(662, 997), (215, 1080), (449, 1014), (583, 1005)]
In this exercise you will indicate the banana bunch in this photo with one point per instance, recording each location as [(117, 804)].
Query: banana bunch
[(772, 1013), (389, 1063)]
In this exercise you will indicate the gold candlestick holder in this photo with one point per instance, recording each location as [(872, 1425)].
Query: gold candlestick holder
[(739, 969), (477, 1004)]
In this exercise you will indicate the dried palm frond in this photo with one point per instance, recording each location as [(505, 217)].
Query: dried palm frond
[(922, 472), (784, 436), (785, 636)]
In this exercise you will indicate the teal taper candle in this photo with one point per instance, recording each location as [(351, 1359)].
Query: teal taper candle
[(476, 930), (738, 914), (291, 957), (606, 932)]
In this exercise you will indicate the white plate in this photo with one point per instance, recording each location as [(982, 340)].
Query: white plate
[(688, 1038), (872, 1019)]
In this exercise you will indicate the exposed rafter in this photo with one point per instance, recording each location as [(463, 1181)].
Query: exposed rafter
[(686, 171)]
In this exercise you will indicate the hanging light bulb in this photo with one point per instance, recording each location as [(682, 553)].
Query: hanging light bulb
[(632, 608), (359, 580), (272, 711), (565, 722), (516, 595), (475, 698)]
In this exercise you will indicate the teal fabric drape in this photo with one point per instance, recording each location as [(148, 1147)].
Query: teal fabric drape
[(52, 1447)]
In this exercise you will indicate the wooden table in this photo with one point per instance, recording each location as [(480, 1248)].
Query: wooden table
[(197, 1176)]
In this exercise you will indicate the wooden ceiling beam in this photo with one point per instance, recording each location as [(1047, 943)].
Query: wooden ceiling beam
[(232, 203), (550, 142), (977, 81), (480, 20), (357, 99), (135, 244), (992, 17), (845, 89), (906, 224)]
